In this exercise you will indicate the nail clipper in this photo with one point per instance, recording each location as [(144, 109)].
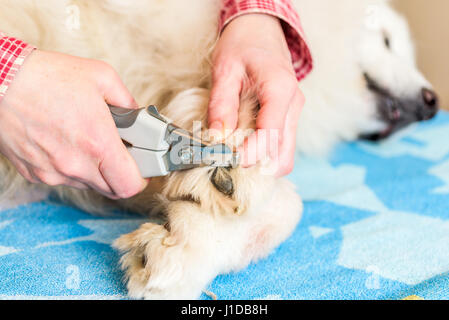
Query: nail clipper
[(160, 147)]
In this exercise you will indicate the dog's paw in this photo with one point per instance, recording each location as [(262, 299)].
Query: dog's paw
[(158, 266)]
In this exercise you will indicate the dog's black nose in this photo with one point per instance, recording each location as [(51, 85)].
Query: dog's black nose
[(430, 98), (431, 104)]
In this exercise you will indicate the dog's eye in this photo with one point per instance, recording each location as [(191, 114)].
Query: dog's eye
[(387, 42)]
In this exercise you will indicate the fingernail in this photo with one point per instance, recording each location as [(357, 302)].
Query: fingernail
[(134, 105), (217, 125), (243, 157), (144, 184), (216, 131)]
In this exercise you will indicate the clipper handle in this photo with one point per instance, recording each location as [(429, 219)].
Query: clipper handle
[(144, 132), (124, 118)]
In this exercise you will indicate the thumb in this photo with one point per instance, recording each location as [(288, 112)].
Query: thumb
[(224, 103), (117, 167), (116, 94), (120, 171)]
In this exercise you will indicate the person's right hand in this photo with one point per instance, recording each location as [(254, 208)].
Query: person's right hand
[(56, 127)]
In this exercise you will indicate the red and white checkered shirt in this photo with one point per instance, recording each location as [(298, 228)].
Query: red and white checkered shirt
[(12, 55), (14, 51)]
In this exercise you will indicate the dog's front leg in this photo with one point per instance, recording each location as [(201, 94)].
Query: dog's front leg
[(179, 259)]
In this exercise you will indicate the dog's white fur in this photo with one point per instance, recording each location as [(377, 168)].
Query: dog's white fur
[(161, 50)]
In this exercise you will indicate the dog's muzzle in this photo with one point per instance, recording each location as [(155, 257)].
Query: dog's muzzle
[(396, 112)]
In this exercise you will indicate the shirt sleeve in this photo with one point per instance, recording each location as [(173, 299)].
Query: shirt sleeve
[(283, 9), (13, 53)]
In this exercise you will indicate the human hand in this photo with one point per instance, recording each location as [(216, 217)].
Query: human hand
[(56, 127), (253, 46)]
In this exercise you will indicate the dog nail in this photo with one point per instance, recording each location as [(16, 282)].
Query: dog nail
[(222, 181), (169, 241)]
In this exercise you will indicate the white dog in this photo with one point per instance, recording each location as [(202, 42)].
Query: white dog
[(365, 84)]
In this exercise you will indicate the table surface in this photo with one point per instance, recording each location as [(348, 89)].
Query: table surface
[(375, 226)]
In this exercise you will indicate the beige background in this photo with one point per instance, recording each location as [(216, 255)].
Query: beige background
[(429, 21)]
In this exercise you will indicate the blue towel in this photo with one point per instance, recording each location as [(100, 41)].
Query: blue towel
[(375, 226)]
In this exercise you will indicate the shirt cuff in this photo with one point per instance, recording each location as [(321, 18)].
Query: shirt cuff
[(13, 53), (294, 34)]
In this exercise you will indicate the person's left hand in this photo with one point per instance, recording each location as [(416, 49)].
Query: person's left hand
[(253, 46)]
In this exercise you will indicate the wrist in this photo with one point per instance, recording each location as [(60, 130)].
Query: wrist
[(260, 22), (258, 30)]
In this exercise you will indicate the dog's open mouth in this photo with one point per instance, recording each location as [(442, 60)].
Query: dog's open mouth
[(398, 113)]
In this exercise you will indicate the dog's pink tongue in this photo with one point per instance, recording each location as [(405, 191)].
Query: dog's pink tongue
[(396, 115)]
